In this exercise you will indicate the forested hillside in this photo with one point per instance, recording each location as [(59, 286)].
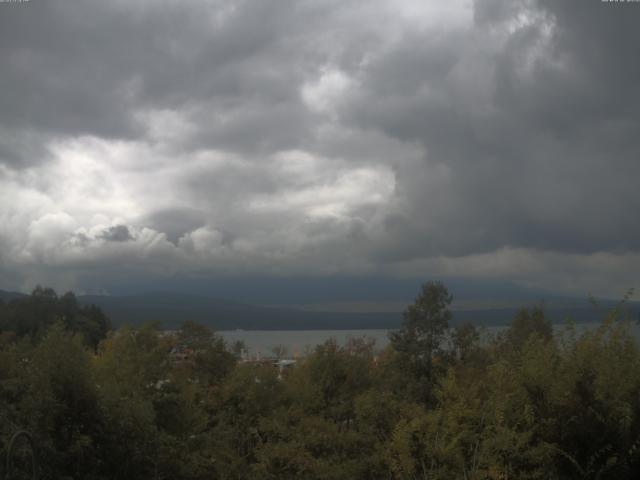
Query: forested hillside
[(438, 403)]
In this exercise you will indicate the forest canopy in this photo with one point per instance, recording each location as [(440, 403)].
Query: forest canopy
[(437, 403)]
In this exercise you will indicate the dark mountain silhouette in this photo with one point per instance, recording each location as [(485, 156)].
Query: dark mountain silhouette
[(170, 309), (8, 296)]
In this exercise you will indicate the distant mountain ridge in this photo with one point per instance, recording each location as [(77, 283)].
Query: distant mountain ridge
[(8, 296), (170, 309)]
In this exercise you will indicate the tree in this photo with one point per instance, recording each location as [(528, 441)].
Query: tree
[(464, 338), (425, 324), (527, 323), (31, 316), (210, 361), (62, 402)]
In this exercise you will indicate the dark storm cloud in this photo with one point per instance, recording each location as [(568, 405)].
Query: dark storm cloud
[(61, 73), (291, 135), (73, 68), (544, 158), (20, 146)]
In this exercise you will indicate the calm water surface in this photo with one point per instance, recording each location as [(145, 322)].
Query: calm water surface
[(299, 342)]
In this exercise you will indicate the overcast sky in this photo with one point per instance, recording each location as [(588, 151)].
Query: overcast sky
[(158, 139)]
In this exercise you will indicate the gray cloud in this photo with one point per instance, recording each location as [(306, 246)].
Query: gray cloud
[(524, 118), (318, 136), (175, 222), (117, 233)]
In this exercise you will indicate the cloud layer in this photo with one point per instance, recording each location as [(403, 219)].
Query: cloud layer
[(158, 138)]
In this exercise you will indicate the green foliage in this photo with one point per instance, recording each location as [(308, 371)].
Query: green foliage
[(464, 339), (529, 404), (208, 360), (421, 336), (527, 323), (31, 316)]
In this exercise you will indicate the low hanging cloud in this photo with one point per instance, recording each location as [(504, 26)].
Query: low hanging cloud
[(485, 139)]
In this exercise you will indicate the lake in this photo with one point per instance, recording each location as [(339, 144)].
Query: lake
[(299, 342)]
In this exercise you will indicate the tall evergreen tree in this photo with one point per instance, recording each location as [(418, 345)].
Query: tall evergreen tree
[(423, 330)]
